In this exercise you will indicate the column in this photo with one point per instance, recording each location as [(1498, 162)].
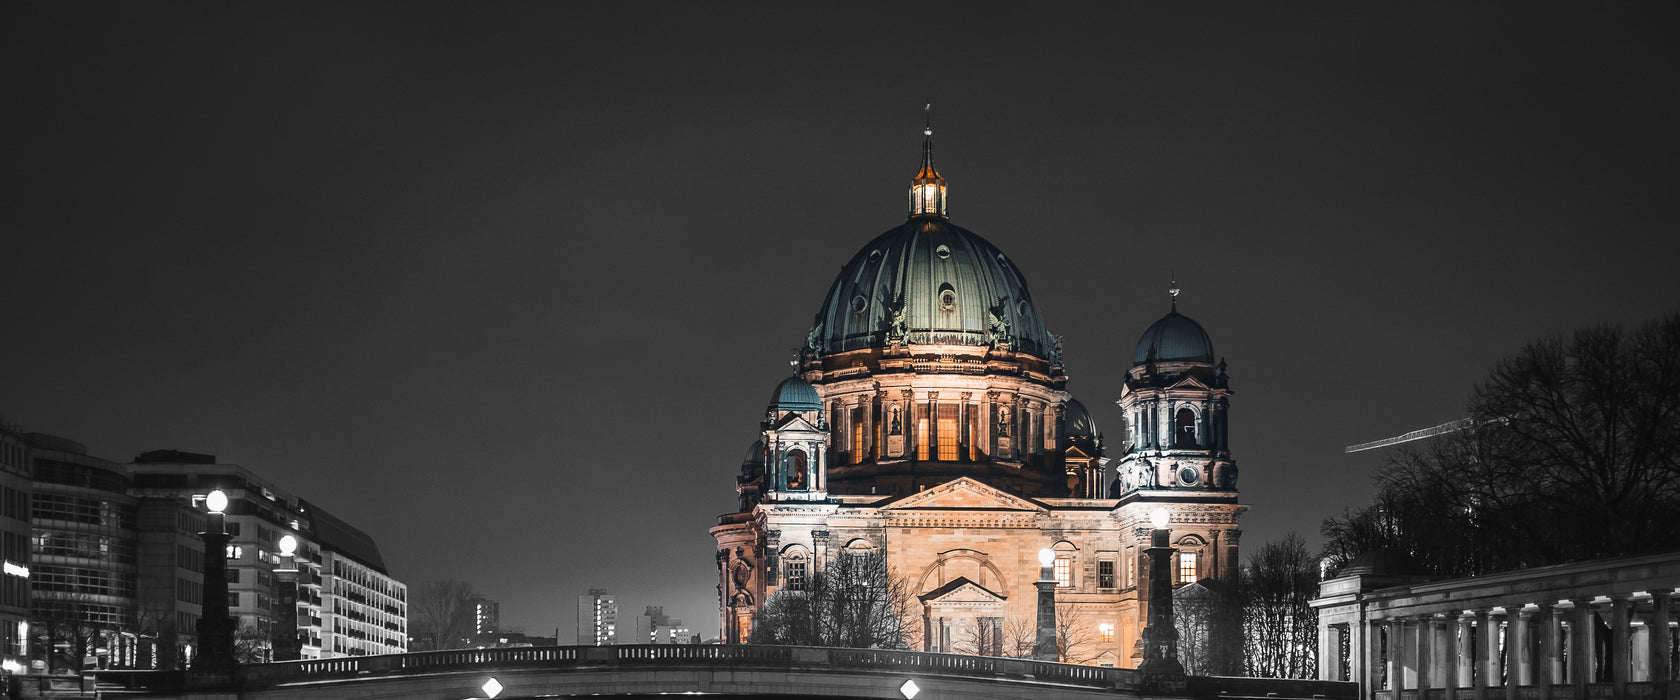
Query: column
[(1620, 629), (1514, 649), (1482, 663), (1451, 650), (1440, 653), (1396, 644), (1546, 662), (1520, 651), (965, 428), (991, 429), (1492, 670), (1661, 611), (1371, 672), (1581, 645), (1465, 668), (1422, 651)]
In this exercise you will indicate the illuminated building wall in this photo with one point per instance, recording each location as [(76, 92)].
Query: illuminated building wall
[(597, 618), (15, 490), (348, 605)]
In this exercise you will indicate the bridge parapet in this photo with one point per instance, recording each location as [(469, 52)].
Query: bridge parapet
[(672, 656)]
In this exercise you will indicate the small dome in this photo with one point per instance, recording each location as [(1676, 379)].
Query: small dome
[(1174, 338), (795, 394), (1078, 420), (755, 455)]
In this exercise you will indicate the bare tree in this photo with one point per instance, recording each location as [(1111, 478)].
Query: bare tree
[(1019, 637), (1208, 616), (981, 636), (250, 645), (1075, 638), (1280, 637), (440, 614), (1574, 454), (854, 602)]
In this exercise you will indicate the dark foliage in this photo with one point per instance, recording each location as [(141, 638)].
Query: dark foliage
[(1574, 454)]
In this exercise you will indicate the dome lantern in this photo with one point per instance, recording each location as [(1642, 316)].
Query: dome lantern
[(927, 190)]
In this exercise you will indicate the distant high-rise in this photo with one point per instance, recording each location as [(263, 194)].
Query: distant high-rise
[(597, 618), (487, 615), (656, 627)]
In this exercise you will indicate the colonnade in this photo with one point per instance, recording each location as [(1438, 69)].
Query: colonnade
[(1613, 640), (1592, 629)]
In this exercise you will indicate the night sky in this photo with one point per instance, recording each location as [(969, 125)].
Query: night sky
[(508, 285)]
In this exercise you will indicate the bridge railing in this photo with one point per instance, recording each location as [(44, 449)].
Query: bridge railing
[(684, 656)]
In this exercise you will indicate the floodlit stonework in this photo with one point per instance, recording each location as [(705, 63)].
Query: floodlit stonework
[(928, 418)]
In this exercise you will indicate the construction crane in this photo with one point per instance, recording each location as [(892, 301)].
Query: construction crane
[(1442, 429)]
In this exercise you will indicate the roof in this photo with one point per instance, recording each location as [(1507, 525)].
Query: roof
[(933, 282), (795, 394), (1174, 338), (1078, 420)]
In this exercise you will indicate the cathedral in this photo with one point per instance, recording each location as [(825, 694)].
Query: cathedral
[(928, 419)]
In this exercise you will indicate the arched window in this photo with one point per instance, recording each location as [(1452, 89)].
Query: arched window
[(796, 569), (793, 464), (1185, 433)]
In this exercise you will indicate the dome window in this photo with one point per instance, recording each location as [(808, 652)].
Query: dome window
[(874, 256), (943, 251), (1022, 307), (1187, 475), (859, 304), (947, 297)]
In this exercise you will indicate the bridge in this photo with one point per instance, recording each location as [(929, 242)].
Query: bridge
[(724, 670)]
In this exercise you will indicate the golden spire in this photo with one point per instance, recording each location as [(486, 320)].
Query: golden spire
[(927, 191)]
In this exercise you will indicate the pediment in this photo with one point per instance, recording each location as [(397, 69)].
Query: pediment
[(964, 494), (1189, 382), (794, 423), (961, 590), (1075, 453)]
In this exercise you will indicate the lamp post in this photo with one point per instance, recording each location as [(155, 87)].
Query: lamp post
[(285, 635), (213, 667), (1044, 646), (1160, 638)]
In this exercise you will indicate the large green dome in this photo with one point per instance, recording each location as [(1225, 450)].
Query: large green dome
[(929, 281)]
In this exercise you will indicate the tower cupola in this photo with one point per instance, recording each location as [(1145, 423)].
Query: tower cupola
[(927, 190)]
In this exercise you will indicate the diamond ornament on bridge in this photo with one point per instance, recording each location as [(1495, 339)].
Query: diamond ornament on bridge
[(909, 690), (493, 688)]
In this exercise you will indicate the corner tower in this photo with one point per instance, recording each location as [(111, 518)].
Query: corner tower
[(1177, 454)]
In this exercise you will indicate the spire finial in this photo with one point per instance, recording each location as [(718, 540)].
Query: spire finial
[(927, 190), (1173, 291)]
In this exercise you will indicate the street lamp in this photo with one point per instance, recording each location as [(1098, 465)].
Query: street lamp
[(213, 667), (1160, 638), (286, 636), (1044, 645)]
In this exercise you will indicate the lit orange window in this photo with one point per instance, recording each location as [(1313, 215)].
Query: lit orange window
[(1064, 573), (948, 439), (857, 442), (1186, 567), (1105, 632), (921, 439)]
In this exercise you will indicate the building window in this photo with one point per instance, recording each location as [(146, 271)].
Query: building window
[(1105, 574), (1186, 567), (921, 439), (796, 574), (794, 465), (233, 600), (857, 437), (947, 438), (1105, 632), (1064, 573)]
